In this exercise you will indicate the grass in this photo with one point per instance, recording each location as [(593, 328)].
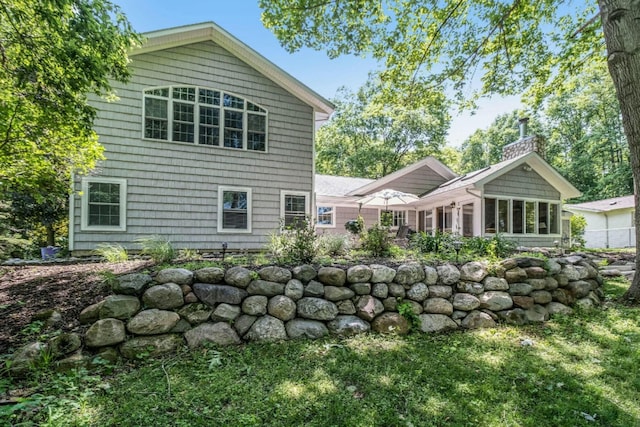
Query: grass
[(582, 370)]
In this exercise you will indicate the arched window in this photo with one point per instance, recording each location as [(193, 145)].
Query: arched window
[(204, 116)]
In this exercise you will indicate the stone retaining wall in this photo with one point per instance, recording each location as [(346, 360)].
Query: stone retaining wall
[(151, 316)]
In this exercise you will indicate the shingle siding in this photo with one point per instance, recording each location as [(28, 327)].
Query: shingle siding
[(521, 183), (172, 188)]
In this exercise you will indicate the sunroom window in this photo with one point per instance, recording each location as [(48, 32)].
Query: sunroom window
[(520, 217), (204, 116)]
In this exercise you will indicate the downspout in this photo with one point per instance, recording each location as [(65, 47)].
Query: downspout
[(312, 206), (72, 205), (606, 230)]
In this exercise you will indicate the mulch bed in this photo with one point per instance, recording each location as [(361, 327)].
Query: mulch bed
[(28, 290)]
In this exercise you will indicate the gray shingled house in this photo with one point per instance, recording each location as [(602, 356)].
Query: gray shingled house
[(521, 198), (208, 143)]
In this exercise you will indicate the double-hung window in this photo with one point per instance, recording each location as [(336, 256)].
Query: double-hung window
[(294, 207), (325, 216), (204, 116), (234, 209), (104, 204)]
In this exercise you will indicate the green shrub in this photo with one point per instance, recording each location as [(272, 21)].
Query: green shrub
[(294, 243), (438, 242), (112, 252), (333, 244), (578, 225), (376, 241), (405, 309), (158, 248)]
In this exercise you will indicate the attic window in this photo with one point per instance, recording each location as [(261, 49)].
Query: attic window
[(204, 116)]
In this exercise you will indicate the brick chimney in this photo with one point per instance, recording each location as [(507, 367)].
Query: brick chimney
[(525, 144)]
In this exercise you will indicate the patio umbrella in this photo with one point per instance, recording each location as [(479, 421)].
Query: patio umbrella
[(388, 197)]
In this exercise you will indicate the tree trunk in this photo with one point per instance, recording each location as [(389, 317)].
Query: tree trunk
[(621, 24), (51, 235)]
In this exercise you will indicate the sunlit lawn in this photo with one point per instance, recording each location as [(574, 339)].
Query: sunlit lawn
[(583, 370)]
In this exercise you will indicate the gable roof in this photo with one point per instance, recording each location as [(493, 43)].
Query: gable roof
[(329, 185), (482, 176), (209, 31), (605, 205), (431, 162)]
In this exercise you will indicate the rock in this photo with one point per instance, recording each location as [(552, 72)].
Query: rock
[(436, 323), (304, 273), (63, 344), (346, 307), (152, 322), (294, 289), (585, 304), (495, 284), (390, 323), (574, 259), (220, 333), (612, 272), (195, 313), (396, 290), (282, 307), (515, 316), (561, 279), (152, 346), (335, 293), (360, 288), (438, 306), (430, 276), (317, 309), (418, 292), (301, 328), (515, 275), (554, 308), (332, 276), (553, 266), (74, 361), (368, 307), (472, 288), (225, 313), (179, 276), (537, 313), (214, 294), (473, 271), (211, 275), (119, 307), (495, 301), (263, 287), (255, 305), (408, 274), (536, 272), (537, 284), (131, 284), (239, 277), (91, 313), (541, 297), (390, 304), (314, 289), (165, 296), (380, 290), (416, 307), (465, 302), (508, 263), (579, 288), (25, 358), (181, 327), (243, 323), (382, 273), (523, 301), (106, 355), (440, 291), (550, 284), (190, 298), (267, 329), (105, 332), (478, 319), (570, 272), (275, 274), (458, 314), (359, 274), (448, 274), (520, 289), (563, 296), (186, 289), (346, 325)]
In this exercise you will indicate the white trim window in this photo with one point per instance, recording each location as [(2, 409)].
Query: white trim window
[(517, 216), (399, 217), (326, 216), (294, 206), (104, 204), (234, 209), (204, 116)]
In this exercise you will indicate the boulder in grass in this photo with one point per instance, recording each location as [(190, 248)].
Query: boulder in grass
[(151, 346), (220, 333), (348, 325), (105, 332), (267, 329), (302, 328)]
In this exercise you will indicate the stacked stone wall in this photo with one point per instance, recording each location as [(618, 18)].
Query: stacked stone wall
[(155, 315)]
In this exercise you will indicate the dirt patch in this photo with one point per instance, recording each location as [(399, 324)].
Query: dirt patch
[(27, 290)]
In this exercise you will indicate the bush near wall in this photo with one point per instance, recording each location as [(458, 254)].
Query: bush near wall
[(151, 316)]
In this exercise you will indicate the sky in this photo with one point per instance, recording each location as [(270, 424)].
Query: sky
[(313, 68)]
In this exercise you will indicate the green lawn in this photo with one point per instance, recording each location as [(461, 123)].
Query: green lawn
[(583, 370)]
